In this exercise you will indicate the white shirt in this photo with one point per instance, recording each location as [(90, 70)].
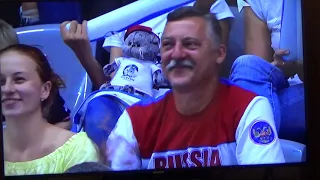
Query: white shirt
[(270, 12), (220, 8), (244, 151), (136, 73)]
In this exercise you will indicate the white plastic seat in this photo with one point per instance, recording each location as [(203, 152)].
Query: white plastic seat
[(294, 152)]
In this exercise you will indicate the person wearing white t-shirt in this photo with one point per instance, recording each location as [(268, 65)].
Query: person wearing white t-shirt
[(263, 71)]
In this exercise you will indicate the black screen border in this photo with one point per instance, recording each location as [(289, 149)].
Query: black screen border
[(308, 170)]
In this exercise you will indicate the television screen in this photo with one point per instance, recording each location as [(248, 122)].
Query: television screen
[(151, 85)]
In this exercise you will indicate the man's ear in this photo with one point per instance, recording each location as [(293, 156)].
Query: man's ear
[(222, 54)]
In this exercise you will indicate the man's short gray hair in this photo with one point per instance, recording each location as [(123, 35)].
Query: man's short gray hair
[(215, 31)]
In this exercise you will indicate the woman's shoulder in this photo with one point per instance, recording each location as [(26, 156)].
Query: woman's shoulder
[(68, 139), (78, 149), (68, 142), (59, 136), (77, 140), (69, 149), (80, 138)]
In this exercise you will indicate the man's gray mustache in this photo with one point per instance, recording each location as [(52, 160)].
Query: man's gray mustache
[(180, 63)]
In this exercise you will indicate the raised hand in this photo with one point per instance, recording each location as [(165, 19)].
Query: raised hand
[(288, 68), (76, 37)]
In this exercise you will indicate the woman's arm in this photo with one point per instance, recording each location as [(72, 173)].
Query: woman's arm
[(257, 36)]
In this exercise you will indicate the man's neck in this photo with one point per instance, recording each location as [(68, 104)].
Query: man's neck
[(197, 99), (24, 132)]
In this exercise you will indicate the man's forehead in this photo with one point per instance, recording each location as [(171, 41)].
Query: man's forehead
[(198, 22), (181, 37), (185, 28)]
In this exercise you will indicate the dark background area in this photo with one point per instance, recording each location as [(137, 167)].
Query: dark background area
[(9, 11)]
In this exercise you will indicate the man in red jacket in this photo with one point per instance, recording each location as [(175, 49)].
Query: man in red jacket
[(203, 121)]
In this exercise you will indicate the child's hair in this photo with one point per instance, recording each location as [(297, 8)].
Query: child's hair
[(8, 35), (88, 167)]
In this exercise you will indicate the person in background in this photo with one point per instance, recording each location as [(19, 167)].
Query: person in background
[(79, 42), (58, 114), (203, 121), (29, 13), (33, 13), (31, 144), (263, 70)]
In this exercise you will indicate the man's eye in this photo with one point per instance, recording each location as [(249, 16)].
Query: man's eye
[(191, 45), (166, 44)]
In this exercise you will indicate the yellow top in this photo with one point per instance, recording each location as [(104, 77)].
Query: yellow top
[(78, 149)]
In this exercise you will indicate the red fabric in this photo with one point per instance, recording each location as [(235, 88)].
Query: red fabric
[(137, 28), (168, 130)]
